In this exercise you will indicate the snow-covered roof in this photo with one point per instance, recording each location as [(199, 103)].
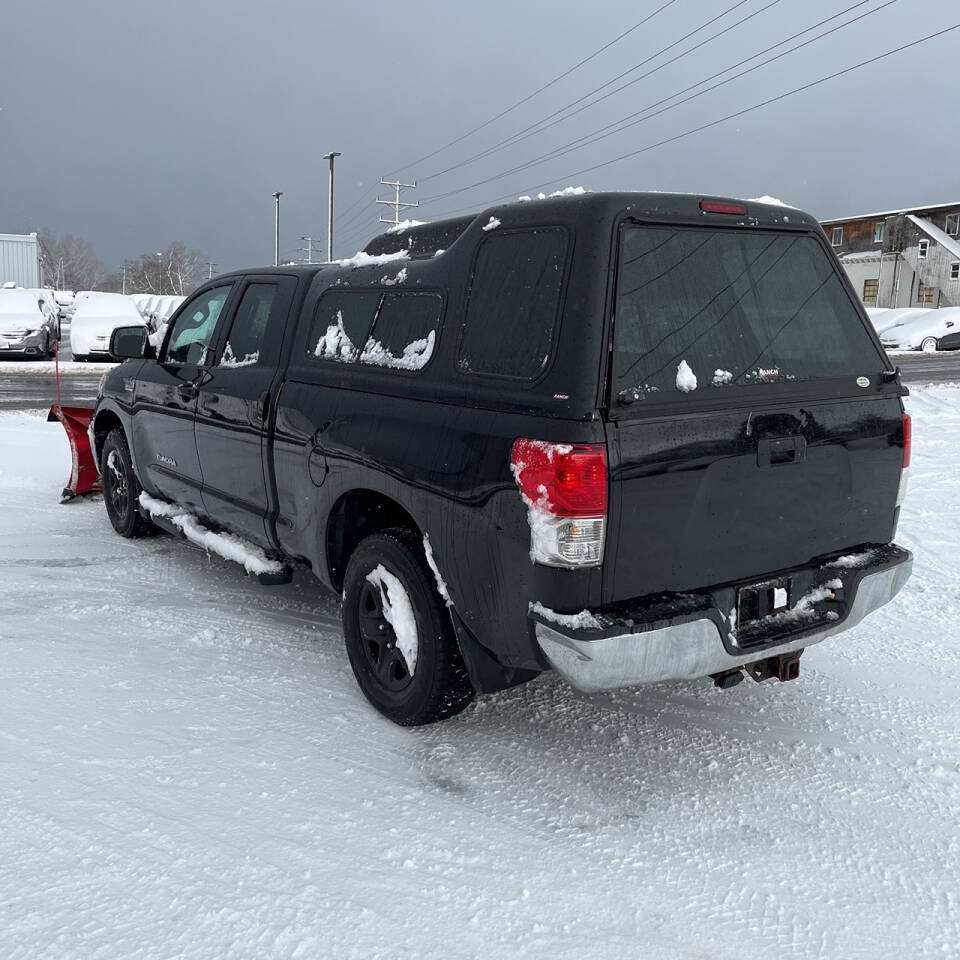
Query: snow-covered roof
[(863, 255), (890, 213), (932, 230)]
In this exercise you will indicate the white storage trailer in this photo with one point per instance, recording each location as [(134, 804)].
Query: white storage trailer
[(20, 260)]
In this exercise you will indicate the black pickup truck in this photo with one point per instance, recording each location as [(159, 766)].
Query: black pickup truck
[(630, 437)]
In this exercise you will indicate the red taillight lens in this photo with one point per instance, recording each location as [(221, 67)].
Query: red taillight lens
[(715, 206), (565, 479), (907, 439)]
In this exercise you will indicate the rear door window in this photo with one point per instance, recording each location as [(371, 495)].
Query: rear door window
[(341, 324), (700, 310), (513, 304), (405, 331), (248, 331)]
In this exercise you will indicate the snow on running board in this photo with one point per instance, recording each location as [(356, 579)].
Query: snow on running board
[(225, 545)]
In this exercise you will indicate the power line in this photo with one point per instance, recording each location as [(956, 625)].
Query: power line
[(341, 218), (509, 140), (539, 90), (626, 122), (714, 123)]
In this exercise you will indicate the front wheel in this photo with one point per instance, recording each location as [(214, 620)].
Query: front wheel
[(121, 489), (399, 635), (929, 345)]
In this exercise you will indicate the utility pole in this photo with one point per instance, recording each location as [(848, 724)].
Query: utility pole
[(210, 266), (123, 288), (309, 248), (397, 203), (160, 274), (276, 227), (331, 156)]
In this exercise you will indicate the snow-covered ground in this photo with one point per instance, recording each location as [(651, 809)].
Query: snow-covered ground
[(188, 770)]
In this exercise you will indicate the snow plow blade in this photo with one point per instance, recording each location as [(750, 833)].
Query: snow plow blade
[(83, 471)]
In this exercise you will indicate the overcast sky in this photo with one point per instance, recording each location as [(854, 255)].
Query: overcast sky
[(136, 124)]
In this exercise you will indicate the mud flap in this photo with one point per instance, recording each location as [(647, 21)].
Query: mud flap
[(487, 674), (83, 470)]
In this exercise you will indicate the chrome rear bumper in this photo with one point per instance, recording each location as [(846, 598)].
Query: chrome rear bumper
[(695, 648)]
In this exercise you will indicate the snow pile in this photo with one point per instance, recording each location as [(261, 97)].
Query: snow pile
[(584, 620), (432, 564), (686, 378), (335, 344), (771, 202), (720, 377), (852, 560), (404, 225), (492, 224), (225, 545), (230, 360), (361, 259), (398, 612), (439, 252), (803, 609), (415, 355), (401, 277)]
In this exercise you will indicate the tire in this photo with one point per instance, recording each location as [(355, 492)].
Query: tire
[(439, 686), (929, 345), (121, 489)]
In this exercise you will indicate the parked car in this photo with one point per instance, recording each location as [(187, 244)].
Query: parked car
[(95, 317), (921, 329), (64, 300), (628, 437), (26, 327)]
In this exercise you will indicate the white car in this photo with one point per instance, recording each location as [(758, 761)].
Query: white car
[(26, 326), (95, 318), (920, 329)]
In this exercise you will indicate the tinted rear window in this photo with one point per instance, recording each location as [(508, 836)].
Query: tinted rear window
[(513, 304), (729, 308), (405, 331), (341, 324)]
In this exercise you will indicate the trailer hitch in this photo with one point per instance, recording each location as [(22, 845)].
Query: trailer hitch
[(784, 667)]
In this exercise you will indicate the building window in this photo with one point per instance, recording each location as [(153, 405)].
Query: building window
[(952, 227), (922, 249), (870, 288), (836, 239), (878, 232), (955, 271), (926, 295)]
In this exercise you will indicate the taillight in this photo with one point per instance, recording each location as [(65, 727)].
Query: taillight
[(905, 472), (907, 439), (715, 206), (564, 486)]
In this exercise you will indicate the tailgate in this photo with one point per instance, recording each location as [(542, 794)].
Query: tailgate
[(751, 426), (735, 495)]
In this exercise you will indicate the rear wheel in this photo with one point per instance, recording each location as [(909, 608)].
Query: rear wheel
[(398, 633), (121, 489), (929, 345)]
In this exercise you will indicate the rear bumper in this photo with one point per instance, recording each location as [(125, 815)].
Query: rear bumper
[(627, 654)]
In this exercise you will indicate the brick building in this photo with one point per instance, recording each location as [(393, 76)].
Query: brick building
[(901, 258)]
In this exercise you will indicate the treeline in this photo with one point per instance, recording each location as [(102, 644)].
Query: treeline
[(71, 263)]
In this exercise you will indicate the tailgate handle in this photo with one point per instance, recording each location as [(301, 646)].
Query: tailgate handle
[(773, 452)]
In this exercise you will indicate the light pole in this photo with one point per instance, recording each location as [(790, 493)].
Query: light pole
[(331, 156), (160, 273), (276, 227)]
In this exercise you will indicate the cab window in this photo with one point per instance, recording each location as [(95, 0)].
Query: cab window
[(249, 328), (193, 329)]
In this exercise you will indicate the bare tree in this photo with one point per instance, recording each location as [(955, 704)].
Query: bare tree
[(70, 263), (176, 270)]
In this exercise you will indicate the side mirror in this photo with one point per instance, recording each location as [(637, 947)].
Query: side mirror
[(129, 343)]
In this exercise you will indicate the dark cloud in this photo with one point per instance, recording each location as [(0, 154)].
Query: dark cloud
[(135, 124)]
